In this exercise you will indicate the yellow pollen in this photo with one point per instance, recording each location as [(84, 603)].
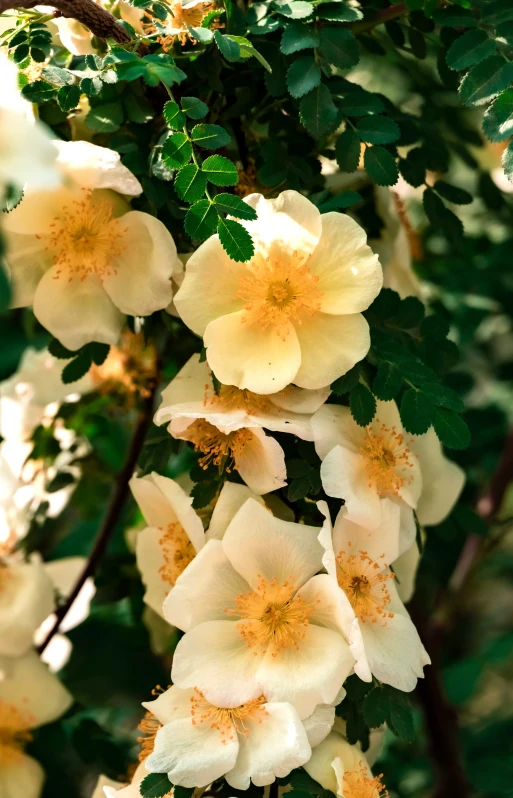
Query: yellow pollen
[(85, 238), (177, 551), (232, 398), (278, 616), (149, 727), (218, 448), (178, 19), (358, 784), (130, 369), (227, 721), (387, 455), (365, 584), (277, 293), (14, 733)]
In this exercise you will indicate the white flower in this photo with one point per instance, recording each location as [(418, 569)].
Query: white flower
[(226, 427), (26, 599), (292, 314), (344, 769), (200, 741), (174, 534), (103, 781), (442, 480), (381, 635), (74, 36), (76, 253), (27, 152), (257, 618), (30, 696), (128, 791), (14, 499)]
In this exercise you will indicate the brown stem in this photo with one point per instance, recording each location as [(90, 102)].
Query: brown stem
[(91, 14), (112, 516), (385, 15)]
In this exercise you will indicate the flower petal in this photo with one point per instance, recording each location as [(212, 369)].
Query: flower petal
[(319, 724), (91, 166), (344, 476), (140, 280), (230, 500), (29, 685), (330, 346), (299, 400), (290, 223), (179, 508), (150, 559), (170, 705), (248, 356), (26, 599), (442, 480), (333, 425), (382, 542), (27, 262), (350, 275), (76, 311), (25, 777), (261, 463)]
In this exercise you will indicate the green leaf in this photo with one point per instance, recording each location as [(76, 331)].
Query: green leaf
[(341, 201), (235, 206), (387, 382), (452, 193), (68, 97), (228, 48), (177, 151), (347, 151), (442, 396), (303, 76), (441, 217), (497, 12), (380, 165), (485, 80), (385, 704), (173, 116), (359, 103), (236, 240), (339, 47), (416, 412), (247, 50), (105, 118), (5, 290), (220, 171), (318, 111), (190, 183), (39, 92), (417, 372), (409, 314), (498, 119), (362, 404), (450, 428), (210, 136), (347, 381), (60, 481), (58, 76), (58, 350), (203, 35), (378, 130), (338, 12), (98, 352), (294, 9), (201, 219), (469, 49), (77, 368), (376, 707), (298, 36), (91, 86), (454, 17), (155, 785), (194, 108), (435, 327), (413, 167)]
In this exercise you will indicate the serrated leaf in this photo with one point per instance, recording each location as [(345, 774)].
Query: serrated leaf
[(298, 36), (341, 201), (359, 103), (362, 404), (294, 9), (498, 119), (387, 382), (303, 75), (298, 489), (376, 707), (220, 171), (441, 217), (203, 35), (177, 151), (190, 183), (228, 48), (469, 49), (318, 111), (452, 193), (416, 412), (77, 368), (451, 429), (442, 396), (91, 86), (507, 162), (235, 206), (485, 80), (380, 165), (39, 92), (201, 219), (409, 314), (5, 290), (210, 136), (347, 381), (339, 47), (435, 327), (173, 116), (98, 352), (58, 76), (338, 12), (347, 151), (236, 240), (68, 97), (194, 108), (155, 785), (378, 130), (105, 118), (59, 351)]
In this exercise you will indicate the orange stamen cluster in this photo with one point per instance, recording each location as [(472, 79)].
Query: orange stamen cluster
[(364, 582), (129, 369), (177, 552), (149, 726), (14, 733), (387, 455), (179, 17), (232, 398), (228, 721), (277, 292), (359, 784), (218, 448)]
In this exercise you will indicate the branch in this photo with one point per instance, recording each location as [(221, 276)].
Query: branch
[(91, 14), (112, 516), (385, 15)]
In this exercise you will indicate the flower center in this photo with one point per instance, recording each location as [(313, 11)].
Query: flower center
[(218, 448), (178, 22), (85, 238), (386, 454), (227, 721), (149, 727), (278, 616), (358, 784), (277, 293), (177, 551), (232, 398), (14, 733), (365, 585), (129, 369)]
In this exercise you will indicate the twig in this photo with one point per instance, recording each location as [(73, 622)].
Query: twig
[(112, 516), (91, 14), (385, 15)]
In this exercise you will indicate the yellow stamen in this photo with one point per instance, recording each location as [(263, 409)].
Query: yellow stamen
[(149, 727), (178, 19), (365, 584), (85, 238), (14, 733), (358, 784), (278, 292), (130, 368), (232, 398), (386, 455), (227, 721), (177, 551), (278, 616), (217, 447)]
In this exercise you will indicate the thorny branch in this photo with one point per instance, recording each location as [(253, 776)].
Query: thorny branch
[(91, 14)]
